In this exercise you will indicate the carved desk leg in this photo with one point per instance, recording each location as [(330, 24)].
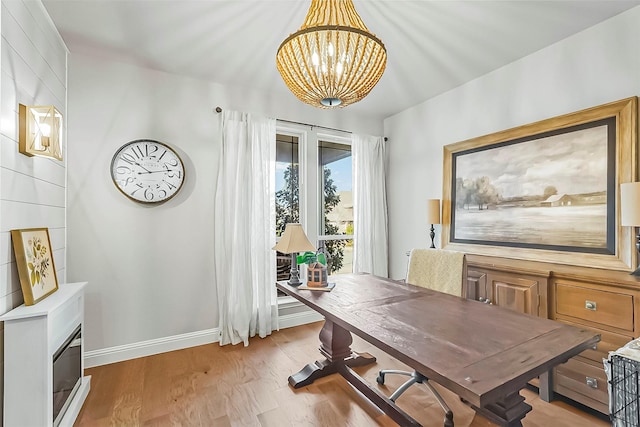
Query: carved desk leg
[(508, 411), (335, 347)]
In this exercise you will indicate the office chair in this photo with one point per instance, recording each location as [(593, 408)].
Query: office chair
[(439, 270)]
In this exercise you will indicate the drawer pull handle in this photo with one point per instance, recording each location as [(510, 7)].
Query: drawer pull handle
[(590, 305), (592, 382)]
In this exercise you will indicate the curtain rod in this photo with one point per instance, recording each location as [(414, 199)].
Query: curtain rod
[(219, 110)]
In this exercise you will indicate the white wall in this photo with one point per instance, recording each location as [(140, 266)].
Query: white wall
[(596, 66), (32, 189), (149, 268)]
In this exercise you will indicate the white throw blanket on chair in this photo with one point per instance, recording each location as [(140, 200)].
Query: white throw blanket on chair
[(437, 269)]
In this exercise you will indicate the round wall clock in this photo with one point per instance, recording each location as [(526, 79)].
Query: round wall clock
[(147, 171)]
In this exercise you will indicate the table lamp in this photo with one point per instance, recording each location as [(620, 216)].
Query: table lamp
[(630, 210), (433, 217), (294, 240)]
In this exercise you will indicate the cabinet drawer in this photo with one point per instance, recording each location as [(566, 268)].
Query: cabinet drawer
[(609, 341), (584, 379), (607, 308)]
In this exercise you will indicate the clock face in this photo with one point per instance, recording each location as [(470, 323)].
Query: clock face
[(147, 171)]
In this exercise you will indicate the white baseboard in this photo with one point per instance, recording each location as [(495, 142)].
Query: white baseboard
[(148, 348), (177, 342)]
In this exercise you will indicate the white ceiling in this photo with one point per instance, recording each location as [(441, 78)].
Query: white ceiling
[(432, 46)]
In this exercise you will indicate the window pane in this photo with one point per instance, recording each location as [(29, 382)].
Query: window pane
[(287, 190), (335, 194), (287, 195), (336, 204)]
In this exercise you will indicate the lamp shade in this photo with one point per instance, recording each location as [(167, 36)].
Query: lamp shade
[(293, 240), (433, 211), (630, 204)]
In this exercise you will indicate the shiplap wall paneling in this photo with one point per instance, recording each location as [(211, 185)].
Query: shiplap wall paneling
[(33, 71)]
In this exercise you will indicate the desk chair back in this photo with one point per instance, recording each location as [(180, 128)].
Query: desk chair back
[(438, 269)]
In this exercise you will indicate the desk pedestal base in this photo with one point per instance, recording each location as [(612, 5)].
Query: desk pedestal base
[(335, 346), (322, 368), (507, 412)]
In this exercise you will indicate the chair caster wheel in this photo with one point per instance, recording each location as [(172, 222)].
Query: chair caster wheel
[(380, 379)]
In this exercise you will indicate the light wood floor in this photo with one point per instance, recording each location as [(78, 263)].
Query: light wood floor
[(236, 386)]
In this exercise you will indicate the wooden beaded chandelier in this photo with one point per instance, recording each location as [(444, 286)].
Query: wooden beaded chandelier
[(332, 60)]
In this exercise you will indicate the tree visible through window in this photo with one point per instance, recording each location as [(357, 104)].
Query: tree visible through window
[(288, 200), (288, 210)]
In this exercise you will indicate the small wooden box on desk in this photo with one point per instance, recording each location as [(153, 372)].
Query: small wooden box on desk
[(606, 302), (32, 334)]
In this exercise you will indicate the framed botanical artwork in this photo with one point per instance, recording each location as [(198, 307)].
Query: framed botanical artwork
[(34, 260), (547, 191)]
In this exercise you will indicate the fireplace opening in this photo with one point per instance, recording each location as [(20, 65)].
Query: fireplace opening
[(67, 373)]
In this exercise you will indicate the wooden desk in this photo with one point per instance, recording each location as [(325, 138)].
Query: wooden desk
[(484, 354)]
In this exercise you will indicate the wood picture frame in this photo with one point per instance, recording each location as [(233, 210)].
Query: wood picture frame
[(558, 146), (34, 260)]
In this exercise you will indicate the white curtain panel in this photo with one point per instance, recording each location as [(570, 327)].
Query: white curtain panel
[(245, 228), (369, 205)]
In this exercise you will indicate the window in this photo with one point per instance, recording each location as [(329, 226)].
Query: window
[(336, 205), (287, 194), (319, 197)]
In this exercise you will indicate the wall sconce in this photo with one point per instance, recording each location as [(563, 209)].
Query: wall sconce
[(40, 131), (433, 217)]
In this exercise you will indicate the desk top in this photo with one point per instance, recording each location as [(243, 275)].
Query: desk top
[(476, 350)]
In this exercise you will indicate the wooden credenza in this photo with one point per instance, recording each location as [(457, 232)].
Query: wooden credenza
[(522, 290), (604, 301)]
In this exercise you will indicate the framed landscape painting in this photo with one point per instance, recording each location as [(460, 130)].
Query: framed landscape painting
[(547, 191), (34, 260)]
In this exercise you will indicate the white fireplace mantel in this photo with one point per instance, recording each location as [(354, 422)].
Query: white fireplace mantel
[(32, 334)]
